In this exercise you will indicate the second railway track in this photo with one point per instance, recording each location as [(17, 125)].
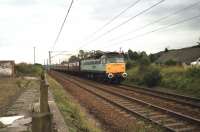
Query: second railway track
[(133, 104)]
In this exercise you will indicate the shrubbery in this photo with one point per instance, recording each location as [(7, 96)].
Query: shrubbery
[(193, 72), (152, 77), (170, 63), (147, 75), (28, 69), (130, 64)]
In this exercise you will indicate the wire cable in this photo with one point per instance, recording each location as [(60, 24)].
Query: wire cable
[(124, 22), (113, 19), (155, 30), (61, 28), (156, 21)]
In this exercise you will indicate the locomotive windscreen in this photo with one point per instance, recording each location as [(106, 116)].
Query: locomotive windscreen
[(115, 58)]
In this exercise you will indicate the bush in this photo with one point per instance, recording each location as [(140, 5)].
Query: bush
[(166, 50), (28, 69), (152, 77), (130, 64), (170, 63), (144, 63), (193, 72)]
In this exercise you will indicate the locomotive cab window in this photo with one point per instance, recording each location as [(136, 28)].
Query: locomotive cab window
[(115, 58)]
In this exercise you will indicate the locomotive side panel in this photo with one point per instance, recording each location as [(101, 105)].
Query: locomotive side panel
[(93, 66)]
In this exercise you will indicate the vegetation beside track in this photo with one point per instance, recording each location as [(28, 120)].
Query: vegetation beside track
[(173, 78), (10, 89), (74, 117), (171, 75), (24, 69)]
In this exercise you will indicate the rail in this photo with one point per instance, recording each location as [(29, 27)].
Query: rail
[(185, 123)]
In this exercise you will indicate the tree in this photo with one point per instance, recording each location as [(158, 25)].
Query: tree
[(133, 55), (98, 53), (64, 62), (73, 58), (152, 57), (166, 50), (130, 54), (81, 54), (142, 54), (144, 62)]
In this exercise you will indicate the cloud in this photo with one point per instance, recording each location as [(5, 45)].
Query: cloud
[(28, 23)]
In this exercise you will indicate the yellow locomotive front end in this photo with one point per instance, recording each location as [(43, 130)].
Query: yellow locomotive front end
[(116, 67)]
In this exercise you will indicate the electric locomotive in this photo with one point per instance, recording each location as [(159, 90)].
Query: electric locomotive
[(108, 67)]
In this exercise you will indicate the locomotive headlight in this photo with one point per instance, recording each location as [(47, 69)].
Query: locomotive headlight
[(110, 75), (124, 75)]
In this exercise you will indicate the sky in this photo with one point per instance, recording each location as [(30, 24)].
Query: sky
[(25, 24)]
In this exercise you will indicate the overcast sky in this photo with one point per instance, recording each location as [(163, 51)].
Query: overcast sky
[(28, 23)]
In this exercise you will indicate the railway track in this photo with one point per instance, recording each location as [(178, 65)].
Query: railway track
[(194, 102), (122, 98)]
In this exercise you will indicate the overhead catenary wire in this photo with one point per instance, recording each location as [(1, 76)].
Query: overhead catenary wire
[(123, 23), (156, 21), (61, 28), (155, 30), (113, 19)]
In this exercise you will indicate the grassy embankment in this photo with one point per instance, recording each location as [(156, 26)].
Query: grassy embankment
[(74, 117), (173, 78), (10, 88)]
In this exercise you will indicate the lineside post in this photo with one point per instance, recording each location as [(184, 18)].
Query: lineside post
[(42, 120)]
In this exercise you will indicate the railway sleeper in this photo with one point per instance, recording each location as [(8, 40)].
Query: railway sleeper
[(128, 104), (154, 113), (174, 124), (166, 121), (187, 129), (137, 109), (156, 117)]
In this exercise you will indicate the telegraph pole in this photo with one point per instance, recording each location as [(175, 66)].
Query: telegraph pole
[(34, 55), (49, 57)]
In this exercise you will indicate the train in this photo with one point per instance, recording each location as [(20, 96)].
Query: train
[(109, 67)]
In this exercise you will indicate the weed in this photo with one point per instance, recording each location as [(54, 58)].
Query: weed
[(75, 119)]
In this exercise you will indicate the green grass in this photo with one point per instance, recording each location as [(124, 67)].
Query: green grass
[(74, 117), (180, 80), (175, 78)]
